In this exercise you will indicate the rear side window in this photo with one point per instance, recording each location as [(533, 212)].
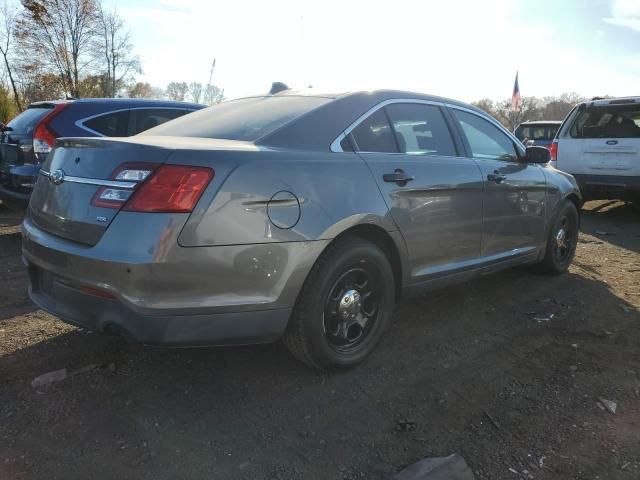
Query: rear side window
[(421, 129), (610, 121), (27, 121), (145, 118), (485, 139), (245, 119), (374, 134), (112, 124)]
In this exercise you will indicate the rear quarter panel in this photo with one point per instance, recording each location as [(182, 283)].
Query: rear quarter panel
[(560, 186), (331, 192)]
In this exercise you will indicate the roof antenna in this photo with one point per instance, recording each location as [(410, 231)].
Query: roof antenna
[(277, 87)]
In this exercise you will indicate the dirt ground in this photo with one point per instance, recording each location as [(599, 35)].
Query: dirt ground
[(483, 369)]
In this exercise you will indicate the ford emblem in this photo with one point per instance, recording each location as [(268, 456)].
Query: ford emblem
[(56, 177)]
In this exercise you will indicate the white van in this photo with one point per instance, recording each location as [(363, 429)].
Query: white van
[(599, 144)]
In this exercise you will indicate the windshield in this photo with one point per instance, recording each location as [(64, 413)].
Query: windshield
[(245, 119), (26, 122)]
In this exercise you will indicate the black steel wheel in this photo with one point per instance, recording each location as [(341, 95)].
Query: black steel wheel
[(562, 240), (344, 306), (351, 308)]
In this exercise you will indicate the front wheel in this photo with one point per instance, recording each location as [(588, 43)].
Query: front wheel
[(344, 306), (562, 240)]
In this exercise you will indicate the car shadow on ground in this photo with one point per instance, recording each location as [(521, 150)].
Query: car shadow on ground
[(613, 222), (499, 348)]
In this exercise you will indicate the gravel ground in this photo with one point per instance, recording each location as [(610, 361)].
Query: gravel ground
[(508, 371)]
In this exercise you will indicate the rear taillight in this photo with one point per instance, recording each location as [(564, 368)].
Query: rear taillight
[(44, 137), (114, 197), (171, 189), (166, 188), (553, 149)]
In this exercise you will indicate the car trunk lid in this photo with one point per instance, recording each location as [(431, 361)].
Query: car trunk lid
[(612, 156), (61, 203), (607, 139)]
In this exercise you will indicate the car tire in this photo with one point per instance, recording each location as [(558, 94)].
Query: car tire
[(344, 306), (562, 240)]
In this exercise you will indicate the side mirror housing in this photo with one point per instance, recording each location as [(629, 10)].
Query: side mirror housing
[(538, 155)]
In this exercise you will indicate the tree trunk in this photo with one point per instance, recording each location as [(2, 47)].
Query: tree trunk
[(16, 98)]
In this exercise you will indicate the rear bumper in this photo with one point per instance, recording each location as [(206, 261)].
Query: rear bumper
[(154, 291), (104, 315), (604, 187)]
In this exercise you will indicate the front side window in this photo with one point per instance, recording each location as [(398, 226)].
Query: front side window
[(420, 129), (485, 139), (113, 124), (374, 134), (610, 121)]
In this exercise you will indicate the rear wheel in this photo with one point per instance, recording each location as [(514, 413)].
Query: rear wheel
[(344, 306), (562, 241)]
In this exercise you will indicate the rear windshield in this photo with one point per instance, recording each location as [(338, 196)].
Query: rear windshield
[(610, 121), (245, 119), (537, 132), (26, 122)]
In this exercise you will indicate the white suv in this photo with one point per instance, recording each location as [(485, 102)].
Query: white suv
[(599, 144)]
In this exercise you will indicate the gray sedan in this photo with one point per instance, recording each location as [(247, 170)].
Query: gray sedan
[(306, 217)]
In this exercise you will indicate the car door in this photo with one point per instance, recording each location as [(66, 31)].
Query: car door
[(434, 193), (514, 191)]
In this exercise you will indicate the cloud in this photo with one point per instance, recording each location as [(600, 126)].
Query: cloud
[(625, 13)]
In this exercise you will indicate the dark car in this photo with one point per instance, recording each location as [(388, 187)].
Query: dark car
[(28, 138), (540, 133), (302, 216)]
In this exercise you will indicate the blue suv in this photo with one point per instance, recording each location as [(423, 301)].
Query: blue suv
[(27, 139)]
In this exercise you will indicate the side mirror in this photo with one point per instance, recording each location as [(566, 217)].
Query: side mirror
[(538, 155)]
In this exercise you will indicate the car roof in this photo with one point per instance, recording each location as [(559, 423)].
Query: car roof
[(376, 96), (612, 101), (542, 122), (121, 102)]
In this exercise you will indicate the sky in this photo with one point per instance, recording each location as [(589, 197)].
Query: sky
[(462, 49)]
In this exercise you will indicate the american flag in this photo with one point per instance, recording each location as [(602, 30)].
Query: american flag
[(516, 99)]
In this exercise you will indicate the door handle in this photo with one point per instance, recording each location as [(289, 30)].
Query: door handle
[(496, 177), (398, 176)]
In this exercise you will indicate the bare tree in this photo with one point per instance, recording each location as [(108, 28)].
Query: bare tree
[(213, 95), (195, 91), (59, 33), (177, 91), (113, 45), (8, 14), (140, 90), (487, 105)]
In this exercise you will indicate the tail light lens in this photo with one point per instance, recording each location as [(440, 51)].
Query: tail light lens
[(553, 149), (160, 189), (171, 189), (113, 197), (44, 137)]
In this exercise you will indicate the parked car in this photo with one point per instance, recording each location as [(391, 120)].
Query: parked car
[(599, 144), (29, 137), (299, 216), (540, 133)]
